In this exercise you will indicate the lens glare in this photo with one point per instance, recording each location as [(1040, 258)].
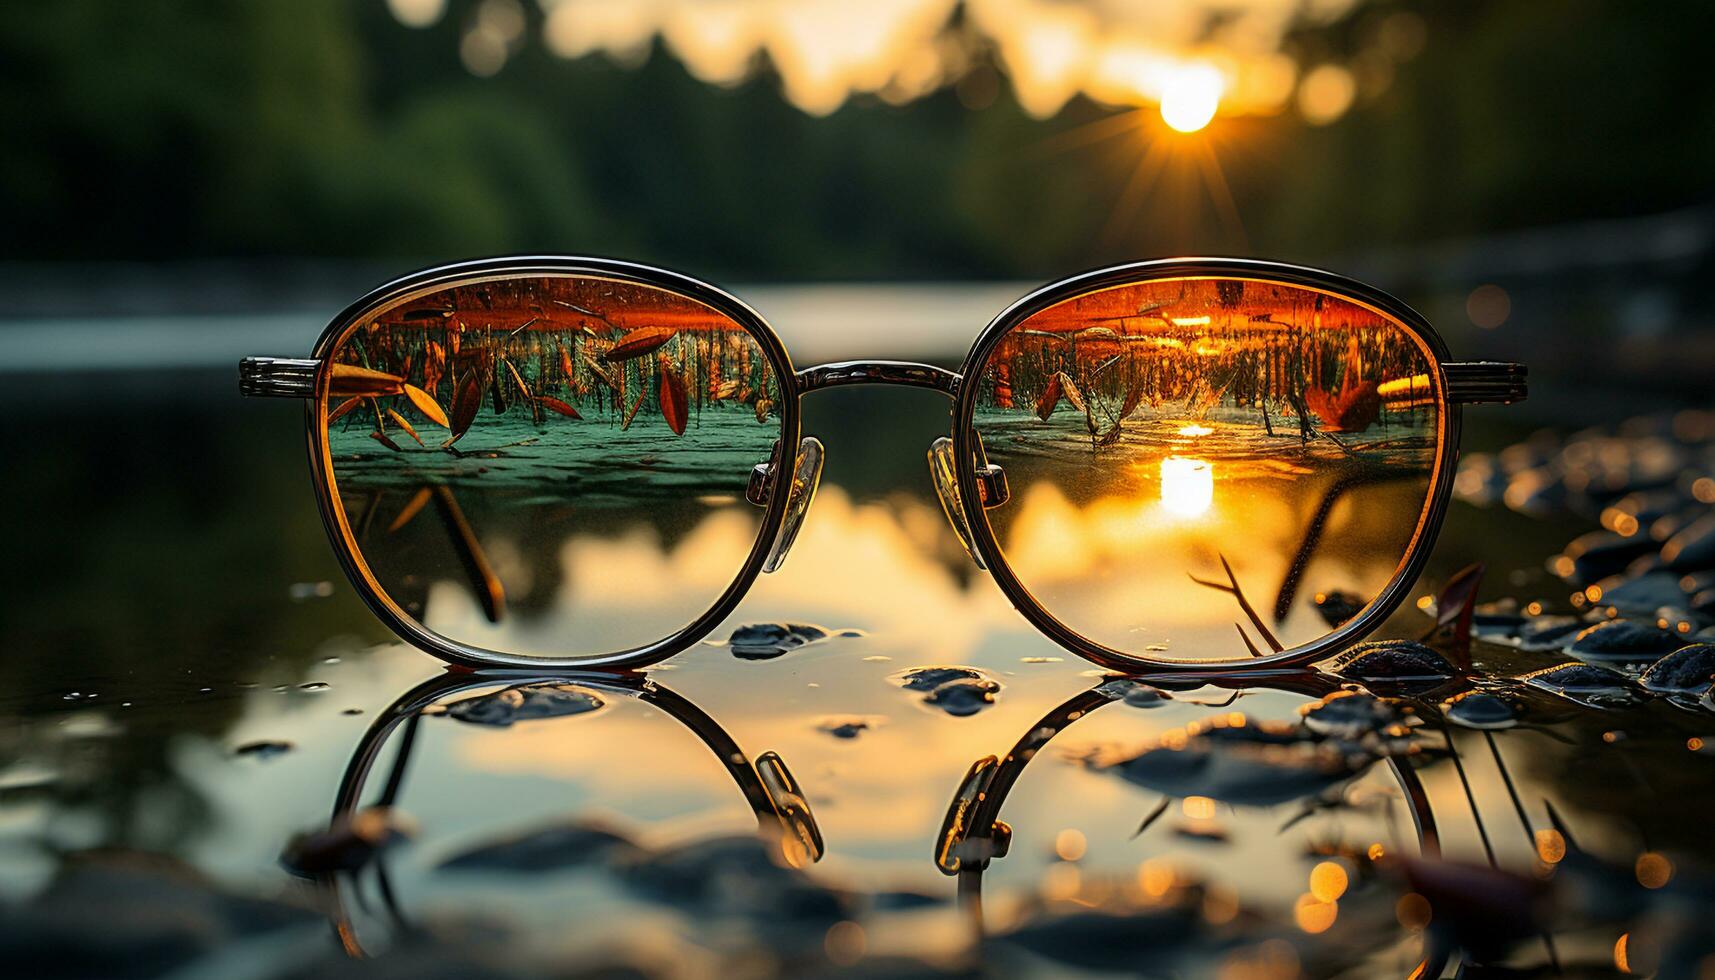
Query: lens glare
[(550, 466), (1209, 469)]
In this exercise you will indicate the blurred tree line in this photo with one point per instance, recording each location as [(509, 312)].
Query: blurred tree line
[(200, 128)]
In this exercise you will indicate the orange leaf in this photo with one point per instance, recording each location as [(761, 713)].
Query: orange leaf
[(426, 404), (399, 420), (342, 408), (379, 437), (637, 343), (549, 402), (349, 379), (673, 400)]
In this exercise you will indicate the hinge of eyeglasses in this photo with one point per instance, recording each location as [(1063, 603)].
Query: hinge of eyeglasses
[(277, 377), (992, 490), (1494, 382)]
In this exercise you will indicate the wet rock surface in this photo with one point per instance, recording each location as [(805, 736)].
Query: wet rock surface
[(957, 691), (502, 709), (1623, 642), (766, 641), (1687, 670)]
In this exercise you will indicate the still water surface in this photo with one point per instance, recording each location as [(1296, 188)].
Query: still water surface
[(190, 677)]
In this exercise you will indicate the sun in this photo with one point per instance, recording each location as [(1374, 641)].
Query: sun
[(1190, 97)]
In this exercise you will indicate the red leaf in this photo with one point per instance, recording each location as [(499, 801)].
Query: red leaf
[(638, 343)]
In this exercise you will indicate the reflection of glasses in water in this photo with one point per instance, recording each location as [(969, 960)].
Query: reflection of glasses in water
[(566, 462), (784, 819), (1238, 761)]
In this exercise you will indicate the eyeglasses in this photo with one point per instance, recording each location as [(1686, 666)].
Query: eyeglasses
[(573, 462)]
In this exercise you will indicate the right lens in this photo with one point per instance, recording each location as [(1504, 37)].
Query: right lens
[(1209, 468), (553, 465)]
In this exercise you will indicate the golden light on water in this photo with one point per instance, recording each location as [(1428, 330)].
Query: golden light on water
[(1190, 97), (1194, 430), (1187, 485)]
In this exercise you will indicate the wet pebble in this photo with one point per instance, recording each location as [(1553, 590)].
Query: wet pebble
[(1248, 764), (1693, 548), (1688, 670), (1389, 660), (1480, 710), (963, 698), (929, 678), (1640, 593), (1540, 633), (1599, 554), (1348, 715), (1620, 642), (263, 749), (1135, 693), (765, 641), (848, 727), (532, 702), (348, 844), (553, 848), (959, 691), (737, 877), (1585, 684)]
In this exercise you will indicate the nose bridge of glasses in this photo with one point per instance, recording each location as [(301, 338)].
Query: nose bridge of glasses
[(907, 374)]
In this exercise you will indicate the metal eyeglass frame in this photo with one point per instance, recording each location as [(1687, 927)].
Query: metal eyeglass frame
[(972, 835), (976, 484), (769, 788)]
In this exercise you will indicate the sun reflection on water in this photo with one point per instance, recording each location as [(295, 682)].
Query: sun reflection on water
[(1187, 485)]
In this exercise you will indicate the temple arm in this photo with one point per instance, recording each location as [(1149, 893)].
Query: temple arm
[(277, 377)]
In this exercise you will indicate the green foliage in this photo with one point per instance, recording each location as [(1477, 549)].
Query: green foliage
[(195, 128)]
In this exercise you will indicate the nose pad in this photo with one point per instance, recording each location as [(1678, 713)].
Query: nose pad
[(806, 477), (944, 475), (801, 838)]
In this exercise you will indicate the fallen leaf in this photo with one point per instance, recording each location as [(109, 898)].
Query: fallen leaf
[(467, 401), (427, 405), (555, 404), (349, 379), (399, 420), (673, 400), (637, 343)]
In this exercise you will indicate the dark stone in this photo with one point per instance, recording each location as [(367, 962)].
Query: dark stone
[(1688, 670), (502, 708), (1389, 660), (1623, 641), (553, 848)]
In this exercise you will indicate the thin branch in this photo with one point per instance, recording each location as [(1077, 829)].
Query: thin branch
[(1238, 593)]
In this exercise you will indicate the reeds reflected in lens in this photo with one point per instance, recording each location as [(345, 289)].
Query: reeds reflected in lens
[(1209, 469), (516, 458)]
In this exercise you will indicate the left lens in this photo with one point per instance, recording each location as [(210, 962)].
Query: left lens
[(549, 466), (1207, 468)]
